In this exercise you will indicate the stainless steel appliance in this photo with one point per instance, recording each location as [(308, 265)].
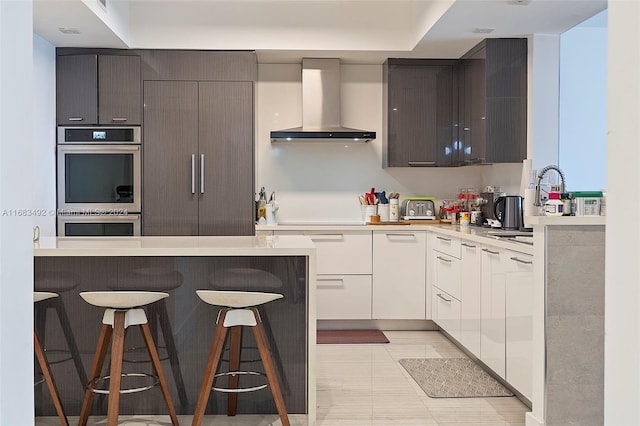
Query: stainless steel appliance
[(508, 210), (418, 208), (99, 170), (90, 225)]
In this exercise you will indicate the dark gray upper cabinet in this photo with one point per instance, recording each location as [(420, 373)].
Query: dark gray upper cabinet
[(493, 102), (198, 158), (420, 110), (98, 89)]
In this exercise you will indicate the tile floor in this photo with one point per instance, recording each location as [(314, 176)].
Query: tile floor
[(364, 385)]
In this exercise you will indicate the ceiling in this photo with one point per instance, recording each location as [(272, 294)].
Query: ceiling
[(284, 31)]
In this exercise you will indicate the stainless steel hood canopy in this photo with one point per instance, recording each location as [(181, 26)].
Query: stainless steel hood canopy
[(321, 106)]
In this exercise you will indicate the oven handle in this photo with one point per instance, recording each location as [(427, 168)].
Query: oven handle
[(99, 148), (193, 173)]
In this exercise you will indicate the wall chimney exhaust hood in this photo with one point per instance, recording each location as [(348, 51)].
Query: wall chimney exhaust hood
[(321, 106)]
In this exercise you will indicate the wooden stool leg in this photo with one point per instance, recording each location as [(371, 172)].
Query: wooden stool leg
[(219, 336), (48, 377), (96, 369), (235, 344), (269, 369), (155, 359), (115, 373)]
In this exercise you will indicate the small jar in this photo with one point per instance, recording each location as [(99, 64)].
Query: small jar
[(554, 205), (394, 213)]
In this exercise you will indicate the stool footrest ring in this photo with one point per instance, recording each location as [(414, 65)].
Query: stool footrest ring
[(239, 390), (92, 384)]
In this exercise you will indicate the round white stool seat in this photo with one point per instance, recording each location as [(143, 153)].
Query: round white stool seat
[(236, 299), (122, 299), (39, 296)]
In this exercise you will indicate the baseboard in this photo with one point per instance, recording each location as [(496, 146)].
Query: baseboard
[(410, 325), (531, 420)]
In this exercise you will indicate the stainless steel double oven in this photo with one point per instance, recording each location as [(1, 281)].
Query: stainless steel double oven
[(99, 181)]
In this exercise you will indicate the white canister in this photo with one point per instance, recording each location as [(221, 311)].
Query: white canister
[(367, 211), (394, 210), (384, 211)]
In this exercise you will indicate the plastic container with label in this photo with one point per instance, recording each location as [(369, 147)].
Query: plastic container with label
[(554, 205), (587, 203)]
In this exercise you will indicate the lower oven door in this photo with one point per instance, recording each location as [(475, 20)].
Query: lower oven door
[(99, 225)]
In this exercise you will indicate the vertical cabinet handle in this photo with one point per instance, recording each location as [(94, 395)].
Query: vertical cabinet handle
[(193, 173), (202, 173)]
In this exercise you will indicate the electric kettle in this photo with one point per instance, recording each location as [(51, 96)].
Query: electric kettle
[(508, 210)]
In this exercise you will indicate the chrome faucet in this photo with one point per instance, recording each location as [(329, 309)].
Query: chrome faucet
[(538, 200)]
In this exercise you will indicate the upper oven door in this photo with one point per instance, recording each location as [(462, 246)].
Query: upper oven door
[(99, 178)]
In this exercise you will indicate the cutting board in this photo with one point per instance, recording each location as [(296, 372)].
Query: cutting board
[(407, 222)]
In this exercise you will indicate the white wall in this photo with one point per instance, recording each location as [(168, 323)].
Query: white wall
[(320, 182), (583, 104), (622, 286), (44, 128), (16, 183)]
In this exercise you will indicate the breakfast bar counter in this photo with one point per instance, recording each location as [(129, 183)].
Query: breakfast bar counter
[(179, 266)]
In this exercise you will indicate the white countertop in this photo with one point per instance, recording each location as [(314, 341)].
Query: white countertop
[(175, 246), (470, 233), (566, 220)]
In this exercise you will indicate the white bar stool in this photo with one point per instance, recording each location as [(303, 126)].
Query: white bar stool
[(123, 310), (240, 311), (44, 365)]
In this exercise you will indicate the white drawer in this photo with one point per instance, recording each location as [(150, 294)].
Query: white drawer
[(447, 245), (446, 273), (340, 252), (446, 312), (343, 296)]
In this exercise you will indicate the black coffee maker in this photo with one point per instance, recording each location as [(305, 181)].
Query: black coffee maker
[(508, 210), (486, 200)]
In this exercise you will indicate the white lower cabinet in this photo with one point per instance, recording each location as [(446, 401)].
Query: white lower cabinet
[(343, 297), (519, 321), (470, 272), (343, 273), (446, 311), (399, 275), (492, 310)]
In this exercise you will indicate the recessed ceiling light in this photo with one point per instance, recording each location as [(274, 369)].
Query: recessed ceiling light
[(482, 30), (64, 30), (519, 2)]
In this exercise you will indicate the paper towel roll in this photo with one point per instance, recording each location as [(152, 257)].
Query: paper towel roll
[(529, 209), (526, 176)]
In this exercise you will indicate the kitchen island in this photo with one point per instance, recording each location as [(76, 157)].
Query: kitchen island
[(180, 266)]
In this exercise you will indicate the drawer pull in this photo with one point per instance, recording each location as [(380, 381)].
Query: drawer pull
[(526, 262), (119, 119), (326, 237), (76, 118), (443, 298), (444, 259), (329, 282), (421, 163), (444, 239), (467, 245), (489, 251), (412, 236)]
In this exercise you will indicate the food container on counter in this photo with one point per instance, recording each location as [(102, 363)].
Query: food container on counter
[(587, 203)]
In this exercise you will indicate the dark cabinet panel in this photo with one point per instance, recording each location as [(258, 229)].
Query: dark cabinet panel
[(98, 89), (420, 112), (199, 65), (494, 118), (226, 152), (119, 89), (198, 158), (170, 199), (77, 89)]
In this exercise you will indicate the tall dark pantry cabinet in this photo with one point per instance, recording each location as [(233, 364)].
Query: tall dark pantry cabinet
[(198, 145)]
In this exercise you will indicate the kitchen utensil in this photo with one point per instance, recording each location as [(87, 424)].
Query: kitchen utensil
[(508, 210)]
